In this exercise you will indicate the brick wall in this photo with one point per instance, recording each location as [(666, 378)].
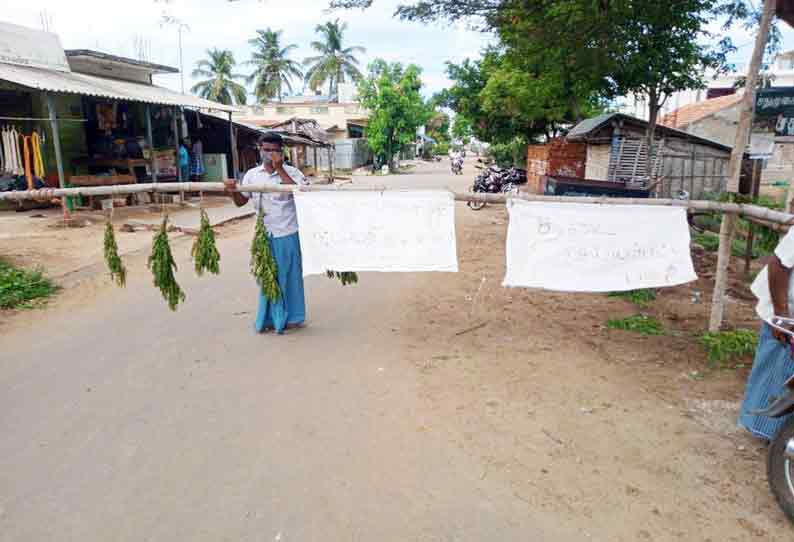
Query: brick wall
[(558, 157)]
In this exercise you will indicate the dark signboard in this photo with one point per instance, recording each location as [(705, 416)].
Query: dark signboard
[(774, 112)]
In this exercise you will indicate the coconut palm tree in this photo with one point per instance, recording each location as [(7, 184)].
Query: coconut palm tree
[(334, 63), (273, 68), (220, 85)]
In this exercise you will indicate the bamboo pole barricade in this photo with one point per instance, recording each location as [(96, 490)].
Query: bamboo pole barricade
[(740, 209), (770, 218)]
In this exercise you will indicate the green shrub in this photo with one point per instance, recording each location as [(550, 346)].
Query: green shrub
[(641, 298), (513, 153), (763, 245), (639, 323), (708, 241), (724, 346), (710, 222), (441, 149), (18, 287)]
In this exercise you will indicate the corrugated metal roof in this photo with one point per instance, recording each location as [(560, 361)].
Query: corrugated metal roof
[(585, 128), (91, 85), (99, 55), (588, 125)]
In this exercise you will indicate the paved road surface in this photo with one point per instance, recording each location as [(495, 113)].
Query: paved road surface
[(123, 421)]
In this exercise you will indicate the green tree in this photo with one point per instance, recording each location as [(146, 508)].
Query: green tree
[(437, 126), (335, 63), (391, 93), (221, 85), (273, 69), (573, 49), (461, 129), (659, 49)]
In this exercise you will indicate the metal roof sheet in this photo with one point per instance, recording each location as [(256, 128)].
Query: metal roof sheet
[(91, 85), (584, 129), (588, 125), (99, 55)]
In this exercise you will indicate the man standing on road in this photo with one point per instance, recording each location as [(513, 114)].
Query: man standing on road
[(774, 360), (281, 219)]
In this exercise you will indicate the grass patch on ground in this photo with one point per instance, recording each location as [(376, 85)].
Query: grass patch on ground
[(708, 241), (639, 323), (641, 298), (725, 346), (711, 243), (21, 288)]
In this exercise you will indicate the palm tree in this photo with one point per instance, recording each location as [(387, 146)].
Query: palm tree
[(274, 70), (220, 85), (334, 63)]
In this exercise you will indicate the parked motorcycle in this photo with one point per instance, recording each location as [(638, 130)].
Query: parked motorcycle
[(496, 180), (780, 458)]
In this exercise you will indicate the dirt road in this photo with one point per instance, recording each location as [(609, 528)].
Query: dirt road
[(379, 421)]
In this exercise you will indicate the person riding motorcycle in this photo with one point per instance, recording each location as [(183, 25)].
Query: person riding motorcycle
[(457, 163)]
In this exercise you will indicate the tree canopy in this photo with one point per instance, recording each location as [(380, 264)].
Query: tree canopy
[(273, 69), (221, 84), (391, 92), (335, 63)]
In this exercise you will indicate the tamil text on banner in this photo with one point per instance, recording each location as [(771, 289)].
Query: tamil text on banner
[(576, 247), (393, 231)]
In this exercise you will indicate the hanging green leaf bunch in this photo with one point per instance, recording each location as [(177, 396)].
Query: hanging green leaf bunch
[(162, 264), (115, 266), (345, 277), (263, 263), (205, 253)]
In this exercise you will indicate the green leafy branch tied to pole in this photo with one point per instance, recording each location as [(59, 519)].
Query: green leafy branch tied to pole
[(162, 264), (345, 277), (205, 253), (116, 267), (263, 263)]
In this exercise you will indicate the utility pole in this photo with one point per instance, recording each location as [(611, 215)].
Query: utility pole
[(170, 20), (728, 227)]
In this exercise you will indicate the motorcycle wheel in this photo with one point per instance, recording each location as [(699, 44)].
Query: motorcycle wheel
[(780, 470), (476, 205)]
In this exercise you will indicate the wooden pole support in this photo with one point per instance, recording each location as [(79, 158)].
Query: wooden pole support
[(740, 144), (740, 209), (150, 142)]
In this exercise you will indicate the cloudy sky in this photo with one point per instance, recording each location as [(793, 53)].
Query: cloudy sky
[(113, 26)]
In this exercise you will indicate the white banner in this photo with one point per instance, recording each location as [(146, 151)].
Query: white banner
[(578, 247), (392, 231)]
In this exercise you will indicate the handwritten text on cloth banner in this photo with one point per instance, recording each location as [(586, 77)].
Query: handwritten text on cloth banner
[(575, 247), (393, 231)]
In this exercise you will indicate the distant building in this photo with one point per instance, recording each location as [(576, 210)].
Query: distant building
[(779, 74), (715, 119), (608, 155), (342, 117)]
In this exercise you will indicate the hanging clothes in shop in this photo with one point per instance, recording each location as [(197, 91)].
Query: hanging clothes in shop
[(38, 162), (27, 160), (16, 157), (3, 144), (183, 120), (106, 116), (7, 159), (197, 159)]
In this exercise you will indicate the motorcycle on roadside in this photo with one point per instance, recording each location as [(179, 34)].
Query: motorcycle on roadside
[(496, 180), (780, 457)]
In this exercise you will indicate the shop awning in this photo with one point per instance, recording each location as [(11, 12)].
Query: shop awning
[(91, 85)]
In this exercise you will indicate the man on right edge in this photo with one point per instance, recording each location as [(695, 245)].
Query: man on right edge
[(774, 356)]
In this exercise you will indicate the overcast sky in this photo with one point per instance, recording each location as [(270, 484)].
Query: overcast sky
[(113, 25)]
